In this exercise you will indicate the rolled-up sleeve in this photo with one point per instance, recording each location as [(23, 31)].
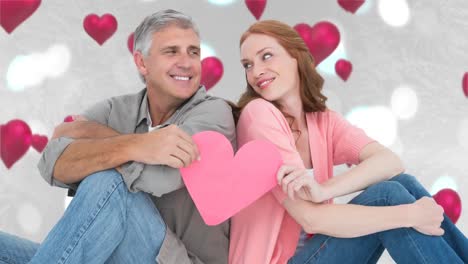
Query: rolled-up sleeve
[(215, 115), (55, 147), (49, 157)]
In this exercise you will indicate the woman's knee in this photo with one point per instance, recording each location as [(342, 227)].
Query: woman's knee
[(405, 179), (387, 193)]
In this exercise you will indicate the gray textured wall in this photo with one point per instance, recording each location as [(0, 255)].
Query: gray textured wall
[(428, 55)]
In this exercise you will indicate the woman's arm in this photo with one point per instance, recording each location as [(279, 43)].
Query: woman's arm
[(349, 220), (376, 163)]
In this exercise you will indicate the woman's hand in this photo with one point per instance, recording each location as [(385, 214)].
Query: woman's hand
[(427, 217), (298, 182)]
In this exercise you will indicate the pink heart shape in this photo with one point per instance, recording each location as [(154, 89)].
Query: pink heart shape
[(39, 142), (451, 202), (343, 68), (222, 184), (465, 84), (130, 40), (15, 140), (351, 5), (321, 39), (15, 12), (256, 7), (212, 71), (100, 28)]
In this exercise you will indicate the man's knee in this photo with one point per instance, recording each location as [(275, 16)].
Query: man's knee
[(101, 180)]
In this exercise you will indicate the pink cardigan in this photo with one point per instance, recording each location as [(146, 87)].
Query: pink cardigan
[(264, 232)]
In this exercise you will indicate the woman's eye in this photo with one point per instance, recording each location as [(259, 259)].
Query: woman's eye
[(267, 56)]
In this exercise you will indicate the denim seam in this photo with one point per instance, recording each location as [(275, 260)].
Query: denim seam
[(416, 246), (83, 229), (318, 250)]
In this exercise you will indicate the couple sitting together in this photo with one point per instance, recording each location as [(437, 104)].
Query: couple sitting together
[(121, 158)]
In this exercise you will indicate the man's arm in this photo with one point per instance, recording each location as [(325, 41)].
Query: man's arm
[(215, 115), (167, 146), (64, 135)]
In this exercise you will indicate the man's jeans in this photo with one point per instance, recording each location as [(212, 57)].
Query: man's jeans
[(104, 223), (405, 245)]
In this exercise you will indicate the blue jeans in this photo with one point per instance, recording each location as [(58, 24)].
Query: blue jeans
[(405, 245), (104, 223)]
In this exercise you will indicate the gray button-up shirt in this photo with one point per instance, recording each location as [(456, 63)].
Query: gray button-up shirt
[(188, 239)]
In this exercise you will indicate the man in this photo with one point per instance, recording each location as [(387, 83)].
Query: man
[(125, 148)]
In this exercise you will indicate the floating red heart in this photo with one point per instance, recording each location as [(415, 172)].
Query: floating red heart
[(39, 142), (15, 141), (451, 202), (465, 84), (212, 71), (130, 41), (321, 39), (100, 28), (68, 119), (14, 12), (351, 5), (343, 68), (256, 7), (234, 181)]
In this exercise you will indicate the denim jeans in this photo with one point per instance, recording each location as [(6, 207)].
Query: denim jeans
[(104, 223), (405, 245)]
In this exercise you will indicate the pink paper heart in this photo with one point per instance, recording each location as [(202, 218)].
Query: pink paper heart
[(222, 184), (212, 71), (451, 202), (39, 142), (256, 7), (321, 39), (343, 68), (100, 28), (130, 40), (15, 12), (15, 141), (465, 84), (351, 5)]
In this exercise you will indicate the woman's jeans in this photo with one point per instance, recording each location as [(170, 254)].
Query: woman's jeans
[(405, 245)]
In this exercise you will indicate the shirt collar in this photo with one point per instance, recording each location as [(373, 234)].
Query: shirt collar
[(143, 113)]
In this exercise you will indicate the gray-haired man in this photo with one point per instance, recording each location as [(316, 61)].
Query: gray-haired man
[(126, 147)]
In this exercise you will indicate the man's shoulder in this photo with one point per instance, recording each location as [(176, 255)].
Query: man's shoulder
[(128, 99), (208, 103)]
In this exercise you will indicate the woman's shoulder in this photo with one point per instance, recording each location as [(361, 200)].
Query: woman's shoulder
[(329, 116), (260, 106)]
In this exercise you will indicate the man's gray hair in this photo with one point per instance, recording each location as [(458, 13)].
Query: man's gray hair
[(157, 22)]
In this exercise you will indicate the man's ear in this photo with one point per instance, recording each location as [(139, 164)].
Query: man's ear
[(140, 62)]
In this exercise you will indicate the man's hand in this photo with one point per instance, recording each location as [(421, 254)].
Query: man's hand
[(298, 182), (166, 146)]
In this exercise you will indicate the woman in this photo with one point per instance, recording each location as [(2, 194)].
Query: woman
[(283, 104)]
